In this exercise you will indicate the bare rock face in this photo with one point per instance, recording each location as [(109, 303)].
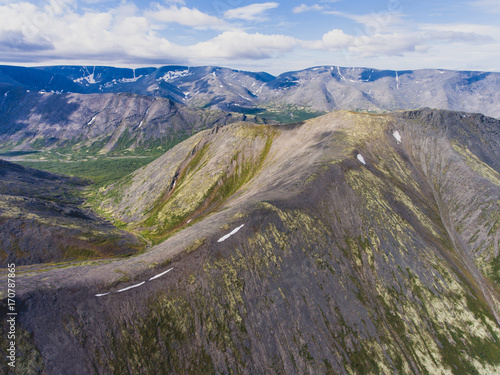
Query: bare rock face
[(349, 243), (100, 124)]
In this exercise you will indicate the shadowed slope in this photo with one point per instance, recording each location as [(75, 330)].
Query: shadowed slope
[(42, 219)]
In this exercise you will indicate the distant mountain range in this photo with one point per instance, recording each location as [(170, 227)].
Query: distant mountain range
[(100, 124), (318, 89), (90, 111)]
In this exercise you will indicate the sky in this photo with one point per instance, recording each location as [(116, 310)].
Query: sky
[(270, 36)]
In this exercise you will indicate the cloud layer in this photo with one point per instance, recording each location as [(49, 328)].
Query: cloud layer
[(252, 12), (175, 32)]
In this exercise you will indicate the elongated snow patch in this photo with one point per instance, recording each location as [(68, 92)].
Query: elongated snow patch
[(223, 238), (160, 274), (361, 158), (130, 287), (397, 136), (102, 294)]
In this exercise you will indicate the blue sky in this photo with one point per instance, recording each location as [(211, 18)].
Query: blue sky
[(272, 36)]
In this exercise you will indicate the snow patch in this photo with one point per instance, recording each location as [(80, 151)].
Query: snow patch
[(91, 120), (397, 136), (223, 238), (213, 73), (160, 274), (361, 158), (245, 97), (144, 118), (174, 74), (130, 287), (102, 294), (129, 80), (89, 77), (341, 76)]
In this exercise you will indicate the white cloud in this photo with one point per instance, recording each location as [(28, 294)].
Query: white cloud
[(457, 36), (307, 8), (374, 23), (400, 42), (375, 45), (394, 44), (59, 31), (252, 12), (335, 39), (481, 32), (34, 34), (120, 35), (184, 16), (240, 45), (490, 6)]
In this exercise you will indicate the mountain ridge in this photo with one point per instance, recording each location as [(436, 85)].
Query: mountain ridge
[(100, 124), (358, 243), (322, 88)]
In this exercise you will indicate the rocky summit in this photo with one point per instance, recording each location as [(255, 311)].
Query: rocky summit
[(351, 243)]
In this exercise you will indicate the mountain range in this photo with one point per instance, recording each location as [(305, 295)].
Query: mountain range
[(83, 125), (79, 111), (323, 88), (222, 221)]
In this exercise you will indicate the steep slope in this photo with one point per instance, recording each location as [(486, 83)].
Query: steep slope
[(356, 243), (99, 124), (42, 220), (196, 178)]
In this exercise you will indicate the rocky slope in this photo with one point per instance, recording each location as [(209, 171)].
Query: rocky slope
[(42, 220), (323, 88), (99, 124), (350, 243)]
